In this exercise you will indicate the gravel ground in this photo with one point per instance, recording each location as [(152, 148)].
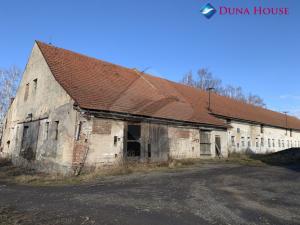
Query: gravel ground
[(204, 194)]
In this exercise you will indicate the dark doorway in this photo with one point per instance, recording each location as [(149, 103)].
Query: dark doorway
[(218, 146), (29, 140), (133, 141)]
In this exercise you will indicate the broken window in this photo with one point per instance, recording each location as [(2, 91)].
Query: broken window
[(133, 140), (134, 132), (26, 92), (133, 149), (205, 142), (56, 129)]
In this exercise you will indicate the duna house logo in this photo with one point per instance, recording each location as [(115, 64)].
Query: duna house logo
[(208, 10)]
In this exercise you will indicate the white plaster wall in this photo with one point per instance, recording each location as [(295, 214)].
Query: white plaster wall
[(49, 100), (182, 148), (254, 133), (101, 148)]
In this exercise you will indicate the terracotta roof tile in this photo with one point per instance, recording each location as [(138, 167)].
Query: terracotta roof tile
[(98, 85)]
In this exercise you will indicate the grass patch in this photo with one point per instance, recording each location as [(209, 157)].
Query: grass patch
[(12, 174)]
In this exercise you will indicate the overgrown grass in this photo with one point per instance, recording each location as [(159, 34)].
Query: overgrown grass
[(10, 173)]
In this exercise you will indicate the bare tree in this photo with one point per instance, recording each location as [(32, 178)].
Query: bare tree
[(255, 100), (188, 79), (234, 92), (205, 80), (9, 81)]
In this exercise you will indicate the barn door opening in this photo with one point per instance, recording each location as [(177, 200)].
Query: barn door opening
[(133, 148), (29, 140), (218, 146)]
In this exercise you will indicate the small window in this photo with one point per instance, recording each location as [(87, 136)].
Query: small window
[(149, 150), (288, 143), (279, 144), (269, 143), (26, 92), (238, 130), (283, 143), (256, 143), (35, 83), (232, 141), (262, 142), (56, 129), (249, 142), (261, 129), (243, 142), (115, 140), (273, 142), (46, 130)]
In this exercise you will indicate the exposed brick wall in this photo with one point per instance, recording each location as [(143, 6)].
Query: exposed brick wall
[(183, 134), (101, 127)]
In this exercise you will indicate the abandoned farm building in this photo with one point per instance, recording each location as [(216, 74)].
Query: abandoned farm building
[(72, 111)]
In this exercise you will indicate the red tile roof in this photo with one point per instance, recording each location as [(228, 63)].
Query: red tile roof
[(98, 85)]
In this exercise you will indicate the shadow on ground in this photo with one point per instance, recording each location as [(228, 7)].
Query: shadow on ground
[(289, 158)]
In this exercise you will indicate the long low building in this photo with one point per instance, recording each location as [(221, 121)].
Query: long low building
[(72, 112)]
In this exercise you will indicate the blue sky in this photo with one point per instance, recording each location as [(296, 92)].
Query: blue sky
[(258, 53)]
